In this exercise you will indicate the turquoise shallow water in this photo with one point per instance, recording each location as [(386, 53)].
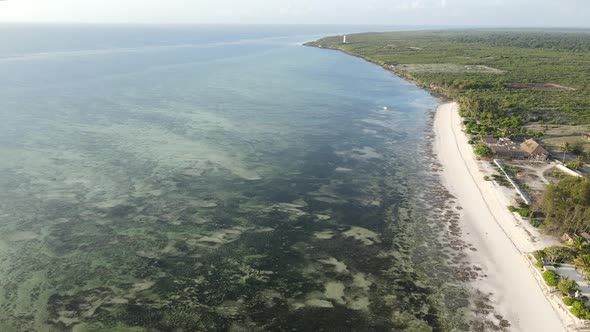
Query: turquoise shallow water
[(216, 178)]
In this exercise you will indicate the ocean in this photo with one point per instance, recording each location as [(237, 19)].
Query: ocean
[(217, 178)]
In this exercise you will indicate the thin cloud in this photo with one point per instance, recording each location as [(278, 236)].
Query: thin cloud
[(399, 12)]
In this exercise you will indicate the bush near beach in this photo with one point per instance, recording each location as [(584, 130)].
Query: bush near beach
[(580, 310), (566, 205), (551, 278), (482, 150), (567, 286), (579, 254)]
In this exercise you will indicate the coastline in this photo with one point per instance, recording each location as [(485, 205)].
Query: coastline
[(502, 242), (434, 92)]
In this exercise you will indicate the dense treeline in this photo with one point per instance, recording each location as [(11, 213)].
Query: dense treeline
[(577, 42), (566, 205), (483, 117)]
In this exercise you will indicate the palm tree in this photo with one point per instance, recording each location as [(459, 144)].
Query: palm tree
[(566, 147), (582, 262), (579, 244)]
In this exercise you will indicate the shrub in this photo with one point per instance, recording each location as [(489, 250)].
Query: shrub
[(577, 149), (539, 254), (551, 278), (564, 204), (524, 210), (540, 264), (501, 180), (568, 301), (567, 286), (579, 310), (575, 165), (483, 150), (536, 223), (486, 178)]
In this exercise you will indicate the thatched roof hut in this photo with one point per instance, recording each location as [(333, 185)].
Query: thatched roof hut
[(534, 150)]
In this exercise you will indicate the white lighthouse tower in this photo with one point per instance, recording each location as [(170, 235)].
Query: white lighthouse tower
[(344, 40)]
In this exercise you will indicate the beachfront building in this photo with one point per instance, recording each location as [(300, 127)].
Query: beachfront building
[(506, 152), (534, 150), (503, 148)]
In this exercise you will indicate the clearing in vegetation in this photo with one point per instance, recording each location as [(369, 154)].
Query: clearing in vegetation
[(538, 86), (446, 68)]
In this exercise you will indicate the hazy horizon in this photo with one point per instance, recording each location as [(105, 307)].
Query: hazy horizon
[(448, 13)]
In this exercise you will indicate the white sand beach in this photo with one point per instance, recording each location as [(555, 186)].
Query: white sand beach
[(501, 241)]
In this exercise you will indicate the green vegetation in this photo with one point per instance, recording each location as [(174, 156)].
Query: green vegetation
[(501, 180), (512, 84), (524, 210), (579, 254), (577, 149), (539, 256), (555, 255), (582, 262), (580, 244), (502, 79), (551, 278), (579, 310), (536, 222), (557, 41), (566, 205), (513, 169), (540, 264), (566, 148), (567, 287), (558, 174), (483, 150), (577, 164)]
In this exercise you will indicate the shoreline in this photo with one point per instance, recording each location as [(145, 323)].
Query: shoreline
[(437, 94), (502, 242)]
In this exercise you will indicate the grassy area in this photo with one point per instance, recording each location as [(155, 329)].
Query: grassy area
[(503, 80), (554, 136)]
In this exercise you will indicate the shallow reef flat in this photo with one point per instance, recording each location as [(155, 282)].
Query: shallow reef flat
[(153, 229), (207, 199)]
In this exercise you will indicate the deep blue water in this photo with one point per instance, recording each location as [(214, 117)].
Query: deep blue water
[(200, 178)]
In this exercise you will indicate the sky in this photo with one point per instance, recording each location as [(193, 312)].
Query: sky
[(514, 13)]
